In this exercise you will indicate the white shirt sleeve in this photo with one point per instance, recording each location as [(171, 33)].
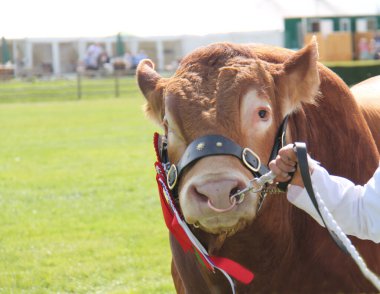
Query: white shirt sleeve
[(355, 208)]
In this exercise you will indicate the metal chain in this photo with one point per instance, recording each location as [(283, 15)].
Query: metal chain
[(255, 185)]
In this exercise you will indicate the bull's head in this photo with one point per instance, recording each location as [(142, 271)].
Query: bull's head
[(227, 90)]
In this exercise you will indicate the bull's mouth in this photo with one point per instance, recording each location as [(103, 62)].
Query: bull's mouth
[(218, 225)]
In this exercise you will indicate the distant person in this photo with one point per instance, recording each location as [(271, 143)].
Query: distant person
[(138, 57), (372, 48), (377, 47), (363, 47), (128, 60), (103, 58), (93, 54)]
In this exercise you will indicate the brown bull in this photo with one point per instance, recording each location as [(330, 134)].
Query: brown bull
[(243, 92)]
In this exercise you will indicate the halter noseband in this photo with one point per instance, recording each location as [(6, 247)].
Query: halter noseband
[(211, 145)]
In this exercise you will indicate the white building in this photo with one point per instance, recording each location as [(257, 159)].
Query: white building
[(60, 56)]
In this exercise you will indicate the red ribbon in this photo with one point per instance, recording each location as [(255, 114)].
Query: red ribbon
[(234, 269), (171, 221), (231, 267)]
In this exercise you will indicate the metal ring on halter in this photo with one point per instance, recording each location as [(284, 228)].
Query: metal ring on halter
[(172, 177), (247, 163)]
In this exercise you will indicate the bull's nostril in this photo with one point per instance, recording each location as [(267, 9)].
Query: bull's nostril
[(236, 196), (201, 197), (234, 191), (218, 194)]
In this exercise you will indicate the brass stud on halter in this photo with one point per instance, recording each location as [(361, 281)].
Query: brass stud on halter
[(201, 146)]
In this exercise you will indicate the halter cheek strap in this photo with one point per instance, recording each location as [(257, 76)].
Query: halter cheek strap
[(279, 142)]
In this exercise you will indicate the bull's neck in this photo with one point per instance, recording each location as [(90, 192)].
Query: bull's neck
[(269, 243), (337, 135), (275, 210)]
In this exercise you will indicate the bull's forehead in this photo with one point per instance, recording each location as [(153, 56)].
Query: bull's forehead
[(203, 99)]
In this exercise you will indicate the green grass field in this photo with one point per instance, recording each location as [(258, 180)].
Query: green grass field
[(79, 207), (34, 90)]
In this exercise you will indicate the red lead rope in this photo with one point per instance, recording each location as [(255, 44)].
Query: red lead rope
[(184, 236)]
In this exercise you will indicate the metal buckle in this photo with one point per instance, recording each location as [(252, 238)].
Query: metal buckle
[(244, 154), (172, 177)]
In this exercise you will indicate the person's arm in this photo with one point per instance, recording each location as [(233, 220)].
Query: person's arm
[(355, 208)]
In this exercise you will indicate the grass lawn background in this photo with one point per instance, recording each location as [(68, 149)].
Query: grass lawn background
[(79, 207), (34, 90)]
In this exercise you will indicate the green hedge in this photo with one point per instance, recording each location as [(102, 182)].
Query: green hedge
[(355, 71)]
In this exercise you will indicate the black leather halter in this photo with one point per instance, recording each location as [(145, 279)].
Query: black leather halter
[(211, 145)]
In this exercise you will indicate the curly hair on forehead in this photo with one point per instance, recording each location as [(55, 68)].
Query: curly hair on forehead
[(216, 55)]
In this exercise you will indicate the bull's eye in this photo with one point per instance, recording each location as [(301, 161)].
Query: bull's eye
[(263, 113)]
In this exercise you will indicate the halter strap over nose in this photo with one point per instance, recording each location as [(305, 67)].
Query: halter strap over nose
[(212, 145)]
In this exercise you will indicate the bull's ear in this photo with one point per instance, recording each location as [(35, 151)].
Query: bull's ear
[(150, 83), (300, 77)]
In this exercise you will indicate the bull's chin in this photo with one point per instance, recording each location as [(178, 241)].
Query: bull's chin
[(220, 234), (226, 230)]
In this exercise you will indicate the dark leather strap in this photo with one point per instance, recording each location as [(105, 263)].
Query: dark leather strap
[(162, 149), (303, 165), (279, 142), (211, 145), (207, 146)]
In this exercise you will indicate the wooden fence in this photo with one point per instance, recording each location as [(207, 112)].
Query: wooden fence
[(81, 86)]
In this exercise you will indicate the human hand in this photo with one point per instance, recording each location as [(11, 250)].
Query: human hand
[(285, 163)]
